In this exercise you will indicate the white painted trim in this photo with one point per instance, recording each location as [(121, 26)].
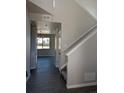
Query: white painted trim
[(81, 85), (28, 77), (57, 66), (63, 66), (92, 28), (82, 42)]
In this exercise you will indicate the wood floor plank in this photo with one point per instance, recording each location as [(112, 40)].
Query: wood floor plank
[(47, 79)]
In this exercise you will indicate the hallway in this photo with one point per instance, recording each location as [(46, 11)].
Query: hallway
[(47, 79)]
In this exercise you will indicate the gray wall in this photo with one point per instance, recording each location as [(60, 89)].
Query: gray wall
[(82, 62), (51, 51), (75, 20), (90, 6), (45, 4), (28, 37), (33, 45)]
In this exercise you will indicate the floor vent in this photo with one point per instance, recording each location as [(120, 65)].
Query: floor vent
[(90, 76)]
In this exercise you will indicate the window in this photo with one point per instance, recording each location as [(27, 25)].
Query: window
[(43, 43)]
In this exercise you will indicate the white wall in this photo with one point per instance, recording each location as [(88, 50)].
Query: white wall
[(28, 36), (82, 62), (90, 6), (45, 4), (75, 20)]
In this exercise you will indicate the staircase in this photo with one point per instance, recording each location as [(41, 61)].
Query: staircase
[(75, 45)]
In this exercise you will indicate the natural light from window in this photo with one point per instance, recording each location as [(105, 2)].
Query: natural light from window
[(43, 43)]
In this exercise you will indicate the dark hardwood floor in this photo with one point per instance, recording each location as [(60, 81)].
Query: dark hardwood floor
[(47, 79)]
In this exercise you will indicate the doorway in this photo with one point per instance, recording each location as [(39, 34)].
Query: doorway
[(47, 39), (45, 45)]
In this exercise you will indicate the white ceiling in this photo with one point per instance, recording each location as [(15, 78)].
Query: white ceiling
[(48, 26)]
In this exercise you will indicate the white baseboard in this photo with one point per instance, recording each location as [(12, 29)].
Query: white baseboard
[(81, 85)]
